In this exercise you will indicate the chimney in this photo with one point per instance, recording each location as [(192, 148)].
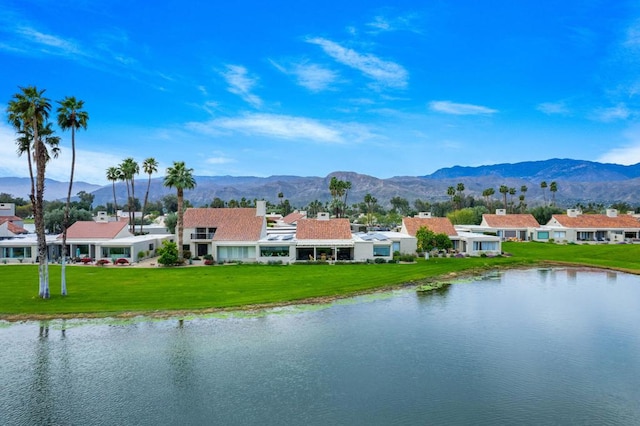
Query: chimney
[(573, 212), (261, 208), (323, 216), (612, 213), (501, 212), (102, 217), (424, 215)]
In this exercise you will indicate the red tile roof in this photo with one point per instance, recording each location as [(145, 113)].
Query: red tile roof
[(293, 217), (232, 224), (12, 227), (315, 229), (510, 221), (97, 230), (599, 221), (439, 225)]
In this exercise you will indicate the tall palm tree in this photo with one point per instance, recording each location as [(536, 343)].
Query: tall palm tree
[(180, 178), (504, 190), (150, 166), (553, 188), (543, 186), (70, 116), (114, 175), (28, 112), (130, 168)]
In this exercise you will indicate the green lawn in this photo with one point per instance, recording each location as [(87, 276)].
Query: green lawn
[(108, 291)]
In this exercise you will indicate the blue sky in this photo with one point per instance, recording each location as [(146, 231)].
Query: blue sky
[(255, 88)]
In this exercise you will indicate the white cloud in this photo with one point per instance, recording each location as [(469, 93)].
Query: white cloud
[(50, 43), (219, 160), (618, 112), (313, 77), (553, 108), (241, 84), (448, 107), (383, 72), (625, 154), (386, 24)]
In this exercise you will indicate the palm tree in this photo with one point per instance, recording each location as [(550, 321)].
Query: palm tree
[(504, 189), (181, 178), (28, 112), (129, 168), (512, 192), (114, 175), (553, 188), (70, 116), (543, 186), (370, 201), (150, 166), (487, 193)]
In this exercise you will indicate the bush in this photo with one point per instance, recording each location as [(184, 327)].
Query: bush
[(407, 258), (380, 260), (141, 255), (102, 262), (168, 253), (207, 257), (122, 261), (186, 254), (208, 261), (86, 260)]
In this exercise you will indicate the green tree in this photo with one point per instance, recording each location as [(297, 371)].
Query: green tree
[(553, 188), (168, 254), (54, 219), (504, 189), (129, 169), (85, 200), (400, 205), (543, 213), (370, 201), (114, 174), (170, 222), (543, 187), (71, 116), (217, 203), (28, 113), (425, 239), (150, 166), (180, 178)]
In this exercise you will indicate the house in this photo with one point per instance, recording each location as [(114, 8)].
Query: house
[(225, 233), (105, 239), (519, 227), (324, 238), (293, 218), (10, 224), (590, 228), (464, 242)]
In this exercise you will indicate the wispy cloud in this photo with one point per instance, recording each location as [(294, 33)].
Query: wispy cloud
[(313, 77), (382, 23), (385, 73), (220, 159), (285, 127), (448, 107), (553, 108), (607, 115), (241, 84)]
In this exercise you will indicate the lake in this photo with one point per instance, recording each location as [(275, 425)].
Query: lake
[(539, 346)]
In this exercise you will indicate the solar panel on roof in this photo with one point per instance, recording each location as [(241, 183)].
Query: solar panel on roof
[(287, 237)]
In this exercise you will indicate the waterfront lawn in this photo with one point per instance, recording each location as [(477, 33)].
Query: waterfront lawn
[(105, 291)]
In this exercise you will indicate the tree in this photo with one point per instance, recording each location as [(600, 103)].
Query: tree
[(217, 203), (543, 187), (370, 201), (70, 117), (168, 253), (129, 169), (28, 112), (180, 178), (150, 166), (425, 239), (504, 189), (339, 190), (553, 188), (114, 174), (400, 205), (512, 193), (460, 194), (487, 194), (523, 192), (314, 208)]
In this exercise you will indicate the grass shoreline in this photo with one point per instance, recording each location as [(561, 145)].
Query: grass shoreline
[(125, 293)]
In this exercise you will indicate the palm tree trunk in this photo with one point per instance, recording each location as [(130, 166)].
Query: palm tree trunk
[(65, 222), (144, 205), (179, 224), (43, 261)]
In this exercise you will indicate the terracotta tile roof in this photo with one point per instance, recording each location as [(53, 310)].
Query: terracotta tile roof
[(439, 225), (293, 217), (599, 221), (506, 221), (97, 230), (232, 224), (12, 227), (332, 229)]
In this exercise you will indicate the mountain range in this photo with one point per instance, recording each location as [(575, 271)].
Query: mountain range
[(578, 182)]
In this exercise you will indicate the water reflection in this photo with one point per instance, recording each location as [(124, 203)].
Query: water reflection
[(523, 347)]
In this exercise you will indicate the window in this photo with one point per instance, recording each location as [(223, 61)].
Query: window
[(116, 252), (559, 235), (16, 252), (381, 250), (485, 246), (277, 251), (236, 253), (543, 235)]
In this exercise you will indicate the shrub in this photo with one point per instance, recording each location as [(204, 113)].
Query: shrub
[(208, 261), (122, 261), (168, 253), (102, 262), (380, 260), (85, 260), (207, 257), (141, 255), (186, 254), (407, 258)]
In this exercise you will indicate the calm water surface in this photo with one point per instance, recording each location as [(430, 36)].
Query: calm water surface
[(556, 346)]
